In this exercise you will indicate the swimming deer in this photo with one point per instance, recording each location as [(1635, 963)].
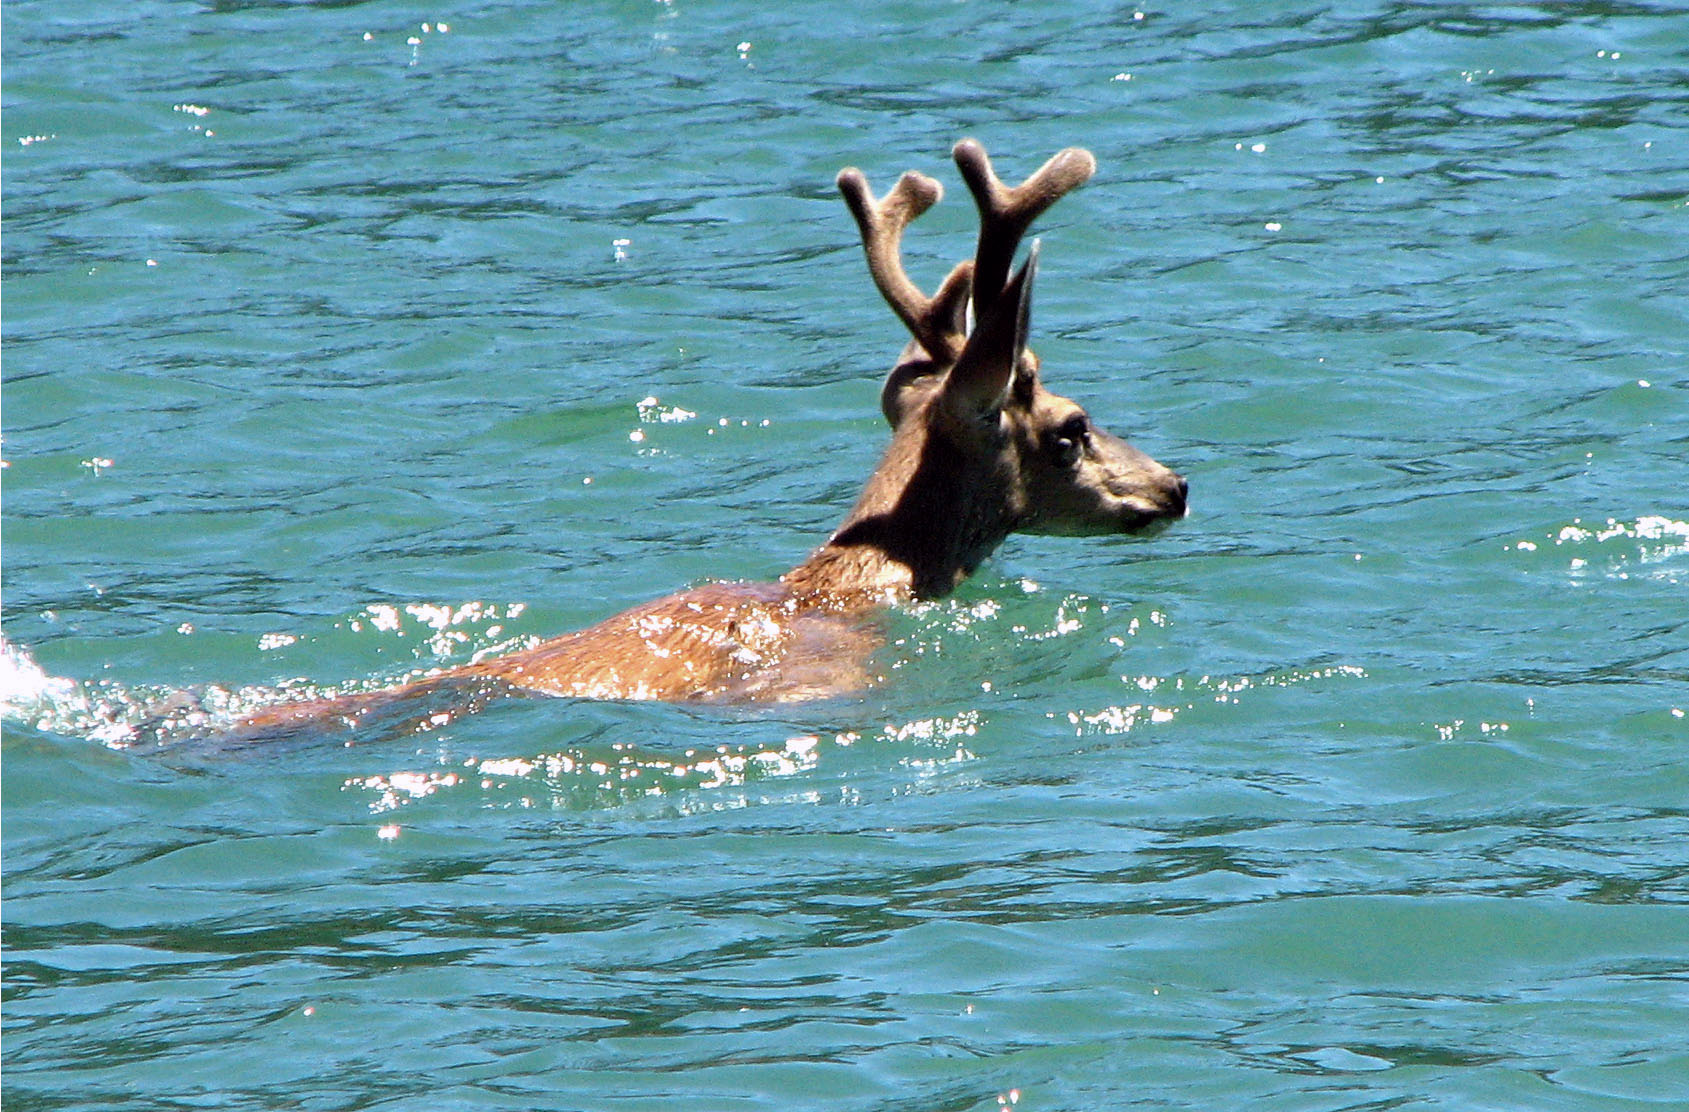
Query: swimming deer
[(979, 449)]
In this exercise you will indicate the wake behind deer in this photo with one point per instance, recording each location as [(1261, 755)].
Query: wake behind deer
[(979, 449)]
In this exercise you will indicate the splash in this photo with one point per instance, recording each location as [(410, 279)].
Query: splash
[(26, 690), (1175, 695), (694, 780), (588, 777), (123, 716), (119, 716), (106, 712), (947, 623), (444, 630), (1652, 546)]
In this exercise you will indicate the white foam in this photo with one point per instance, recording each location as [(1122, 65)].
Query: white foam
[(26, 690)]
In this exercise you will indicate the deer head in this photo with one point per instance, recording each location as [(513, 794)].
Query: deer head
[(980, 448)]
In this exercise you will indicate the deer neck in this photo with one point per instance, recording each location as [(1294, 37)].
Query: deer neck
[(928, 516)]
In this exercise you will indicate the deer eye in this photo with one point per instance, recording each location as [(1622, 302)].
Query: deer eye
[(1066, 443)]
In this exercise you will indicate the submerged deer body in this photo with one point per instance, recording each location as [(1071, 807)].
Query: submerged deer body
[(980, 449)]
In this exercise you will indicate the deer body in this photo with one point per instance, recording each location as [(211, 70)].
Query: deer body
[(979, 449)]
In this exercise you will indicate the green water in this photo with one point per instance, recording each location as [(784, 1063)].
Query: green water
[(1365, 787)]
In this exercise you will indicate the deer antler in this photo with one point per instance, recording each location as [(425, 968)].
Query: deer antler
[(1005, 214), (935, 321)]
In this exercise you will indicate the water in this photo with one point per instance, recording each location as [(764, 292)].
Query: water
[(326, 338)]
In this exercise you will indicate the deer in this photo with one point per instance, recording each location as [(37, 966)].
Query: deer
[(979, 449)]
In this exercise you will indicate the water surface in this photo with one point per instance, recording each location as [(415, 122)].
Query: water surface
[(339, 343)]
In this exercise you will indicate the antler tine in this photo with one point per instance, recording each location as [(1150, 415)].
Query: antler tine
[(881, 223), (1005, 214)]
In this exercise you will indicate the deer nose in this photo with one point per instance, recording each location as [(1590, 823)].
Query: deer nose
[(1184, 489)]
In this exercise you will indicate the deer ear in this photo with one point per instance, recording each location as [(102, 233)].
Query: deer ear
[(911, 382), (980, 381), (950, 303), (918, 371)]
